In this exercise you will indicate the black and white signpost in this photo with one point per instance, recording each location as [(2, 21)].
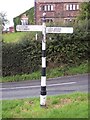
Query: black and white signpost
[(43, 77), (44, 30)]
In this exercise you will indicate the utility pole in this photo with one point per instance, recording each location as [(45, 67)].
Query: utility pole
[(43, 77)]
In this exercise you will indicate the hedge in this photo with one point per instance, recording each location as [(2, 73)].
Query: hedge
[(62, 49)]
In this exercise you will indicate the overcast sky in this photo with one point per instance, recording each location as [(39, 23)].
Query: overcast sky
[(13, 8)]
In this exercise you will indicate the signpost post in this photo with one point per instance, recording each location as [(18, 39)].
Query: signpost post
[(44, 31), (43, 77)]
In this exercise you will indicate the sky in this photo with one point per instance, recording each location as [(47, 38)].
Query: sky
[(13, 8)]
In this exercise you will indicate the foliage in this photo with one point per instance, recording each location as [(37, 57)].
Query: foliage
[(16, 22), (20, 58), (62, 49), (13, 37), (3, 18), (51, 73), (84, 16), (29, 13), (16, 37), (85, 11)]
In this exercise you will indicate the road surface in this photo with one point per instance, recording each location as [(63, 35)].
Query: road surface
[(55, 86)]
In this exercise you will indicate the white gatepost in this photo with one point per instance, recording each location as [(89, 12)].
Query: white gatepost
[(44, 31)]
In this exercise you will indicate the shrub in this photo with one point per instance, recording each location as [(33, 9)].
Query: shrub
[(62, 49)]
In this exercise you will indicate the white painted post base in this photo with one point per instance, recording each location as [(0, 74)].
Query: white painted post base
[(43, 100)]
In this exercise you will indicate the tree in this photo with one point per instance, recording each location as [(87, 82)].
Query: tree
[(3, 18), (84, 16), (85, 11)]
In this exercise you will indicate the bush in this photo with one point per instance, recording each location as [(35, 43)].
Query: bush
[(62, 49)]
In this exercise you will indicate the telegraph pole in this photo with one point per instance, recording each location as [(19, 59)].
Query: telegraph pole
[(43, 77)]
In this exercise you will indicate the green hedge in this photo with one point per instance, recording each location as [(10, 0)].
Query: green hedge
[(62, 49)]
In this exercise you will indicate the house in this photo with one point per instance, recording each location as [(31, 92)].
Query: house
[(11, 29), (24, 19), (57, 10), (8, 29)]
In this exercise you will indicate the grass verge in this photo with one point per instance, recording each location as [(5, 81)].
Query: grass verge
[(17, 37), (51, 73), (73, 105), (13, 37)]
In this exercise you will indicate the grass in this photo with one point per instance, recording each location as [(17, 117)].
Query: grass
[(66, 70), (13, 37), (64, 106), (0, 109), (16, 37), (51, 73)]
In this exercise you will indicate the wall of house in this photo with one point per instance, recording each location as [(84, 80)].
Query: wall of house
[(56, 11)]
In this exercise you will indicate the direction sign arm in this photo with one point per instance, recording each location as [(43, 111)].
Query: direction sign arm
[(59, 29)]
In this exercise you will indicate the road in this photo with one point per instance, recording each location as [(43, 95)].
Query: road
[(55, 86)]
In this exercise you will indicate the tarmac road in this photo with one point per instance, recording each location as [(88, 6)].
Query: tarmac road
[(55, 86)]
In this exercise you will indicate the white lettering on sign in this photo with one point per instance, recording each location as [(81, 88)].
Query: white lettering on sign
[(29, 27), (59, 30)]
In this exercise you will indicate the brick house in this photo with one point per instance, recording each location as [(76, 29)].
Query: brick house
[(57, 10)]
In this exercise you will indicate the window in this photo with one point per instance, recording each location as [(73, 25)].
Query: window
[(73, 7), (47, 8), (24, 22), (67, 6), (77, 7), (52, 8), (49, 20), (43, 8)]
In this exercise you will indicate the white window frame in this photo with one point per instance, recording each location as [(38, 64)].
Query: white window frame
[(52, 8), (67, 7), (74, 7), (45, 8), (77, 6), (71, 7), (49, 7)]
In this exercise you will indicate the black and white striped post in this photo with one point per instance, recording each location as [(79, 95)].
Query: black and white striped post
[(44, 30), (43, 77)]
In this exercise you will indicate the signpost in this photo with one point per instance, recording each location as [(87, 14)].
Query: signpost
[(44, 31), (59, 30), (29, 27), (48, 29)]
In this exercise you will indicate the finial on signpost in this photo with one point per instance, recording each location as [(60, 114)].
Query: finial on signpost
[(44, 14), (44, 17)]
